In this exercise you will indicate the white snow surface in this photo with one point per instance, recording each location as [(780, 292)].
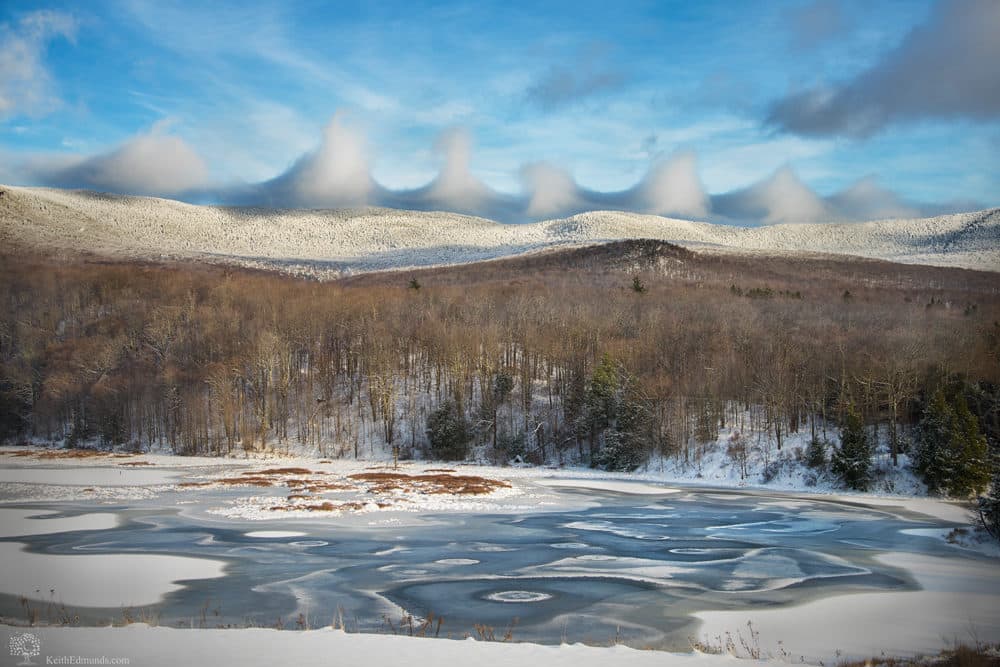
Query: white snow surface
[(274, 534), (167, 647), (98, 580), (20, 522), (328, 243), (957, 602)]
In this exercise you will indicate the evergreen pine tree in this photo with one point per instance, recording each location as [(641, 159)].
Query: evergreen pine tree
[(970, 471), (931, 458), (852, 462), (448, 432), (603, 396), (989, 506), (952, 451), (816, 453)]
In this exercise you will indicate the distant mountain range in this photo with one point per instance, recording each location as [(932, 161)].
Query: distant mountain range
[(330, 243)]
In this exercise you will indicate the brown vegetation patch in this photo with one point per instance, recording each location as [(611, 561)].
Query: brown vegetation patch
[(228, 481), (275, 477), (315, 485), (136, 463), (465, 485), (319, 507), (320, 487), (71, 454), (439, 470), (282, 471), (74, 454), (378, 476), (245, 481)]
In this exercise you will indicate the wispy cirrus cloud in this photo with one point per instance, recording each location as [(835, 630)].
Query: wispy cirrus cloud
[(26, 85)]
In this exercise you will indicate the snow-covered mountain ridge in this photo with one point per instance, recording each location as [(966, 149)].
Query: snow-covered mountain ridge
[(329, 243)]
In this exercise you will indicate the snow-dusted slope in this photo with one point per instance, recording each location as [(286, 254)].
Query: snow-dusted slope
[(332, 242)]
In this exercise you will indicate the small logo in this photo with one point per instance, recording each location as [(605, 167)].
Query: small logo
[(25, 645)]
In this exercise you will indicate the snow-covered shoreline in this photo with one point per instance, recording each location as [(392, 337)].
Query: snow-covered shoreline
[(164, 471)]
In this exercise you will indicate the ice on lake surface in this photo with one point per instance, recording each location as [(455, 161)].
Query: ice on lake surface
[(623, 566)]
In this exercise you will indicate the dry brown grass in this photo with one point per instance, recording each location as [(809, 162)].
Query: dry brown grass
[(271, 477), (245, 481), (315, 485), (326, 506), (464, 485), (375, 483), (282, 471), (48, 454), (228, 481)]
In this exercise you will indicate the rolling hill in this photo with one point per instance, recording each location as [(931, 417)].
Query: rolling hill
[(335, 243)]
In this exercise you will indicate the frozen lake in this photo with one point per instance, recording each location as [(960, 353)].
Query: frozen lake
[(652, 568)]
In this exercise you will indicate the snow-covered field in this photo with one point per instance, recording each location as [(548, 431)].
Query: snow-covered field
[(329, 243)]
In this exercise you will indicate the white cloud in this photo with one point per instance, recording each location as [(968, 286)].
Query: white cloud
[(456, 186), (867, 200), (25, 82), (150, 163), (782, 197), (551, 190), (337, 174), (673, 188)]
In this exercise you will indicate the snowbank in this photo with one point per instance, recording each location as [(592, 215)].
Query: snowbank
[(167, 647)]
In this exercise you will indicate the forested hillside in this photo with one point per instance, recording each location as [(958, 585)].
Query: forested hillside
[(601, 356)]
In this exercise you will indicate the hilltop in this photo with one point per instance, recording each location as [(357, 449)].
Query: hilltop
[(330, 243)]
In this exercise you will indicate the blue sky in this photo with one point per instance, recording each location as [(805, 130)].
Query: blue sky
[(203, 100)]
